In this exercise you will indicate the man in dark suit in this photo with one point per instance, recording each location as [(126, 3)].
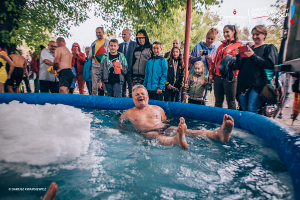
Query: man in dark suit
[(127, 48)]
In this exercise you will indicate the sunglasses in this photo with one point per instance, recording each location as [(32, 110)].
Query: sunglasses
[(53, 46)]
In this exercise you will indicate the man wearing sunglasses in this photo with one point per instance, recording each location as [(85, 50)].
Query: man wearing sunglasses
[(176, 43), (48, 81)]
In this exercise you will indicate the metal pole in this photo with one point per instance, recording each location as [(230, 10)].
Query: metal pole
[(187, 39)]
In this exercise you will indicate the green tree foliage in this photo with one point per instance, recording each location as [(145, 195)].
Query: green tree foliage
[(174, 28), (33, 21), (277, 18)]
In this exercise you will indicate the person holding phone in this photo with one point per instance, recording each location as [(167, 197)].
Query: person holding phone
[(221, 86), (204, 51), (113, 68), (252, 76)]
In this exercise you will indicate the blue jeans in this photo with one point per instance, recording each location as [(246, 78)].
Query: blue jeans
[(89, 87), (251, 102), (114, 90), (36, 85)]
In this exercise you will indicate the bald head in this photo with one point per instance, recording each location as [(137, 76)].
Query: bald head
[(176, 43), (126, 35)]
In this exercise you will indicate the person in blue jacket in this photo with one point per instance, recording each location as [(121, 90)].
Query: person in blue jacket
[(156, 73), (197, 53), (71, 90), (87, 71)]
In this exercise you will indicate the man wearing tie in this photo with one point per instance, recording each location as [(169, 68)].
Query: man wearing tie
[(127, 48)]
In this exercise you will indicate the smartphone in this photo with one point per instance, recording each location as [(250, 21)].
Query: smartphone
[(204, 53), (242, 50)]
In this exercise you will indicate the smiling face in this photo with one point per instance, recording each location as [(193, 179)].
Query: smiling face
[(257, 37), (210, 40), (142, 41), (157, 49), (228, 34), (199, 69), (100, 33), (175, 53), (140, 97)]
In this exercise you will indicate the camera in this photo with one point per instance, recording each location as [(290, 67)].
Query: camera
[(204, 53)]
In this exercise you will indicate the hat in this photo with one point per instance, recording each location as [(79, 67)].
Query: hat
[(140, 35)]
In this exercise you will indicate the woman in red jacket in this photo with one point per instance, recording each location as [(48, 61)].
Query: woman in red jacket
[(78, 61), (221, 86)]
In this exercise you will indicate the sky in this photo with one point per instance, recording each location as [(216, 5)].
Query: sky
[(246, 11)]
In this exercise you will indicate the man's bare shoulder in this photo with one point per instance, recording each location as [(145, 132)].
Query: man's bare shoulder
[(156, 108)]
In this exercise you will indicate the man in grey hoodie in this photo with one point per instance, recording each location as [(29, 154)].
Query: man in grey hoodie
[(140, 57)]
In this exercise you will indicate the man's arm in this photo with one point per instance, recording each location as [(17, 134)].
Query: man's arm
[(25, 66), (48, 62), (163, 115), (56, 59)]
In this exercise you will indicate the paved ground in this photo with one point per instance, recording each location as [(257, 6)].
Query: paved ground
[(286, 119)]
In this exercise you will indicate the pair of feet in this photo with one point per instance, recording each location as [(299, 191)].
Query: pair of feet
[(222, 134)]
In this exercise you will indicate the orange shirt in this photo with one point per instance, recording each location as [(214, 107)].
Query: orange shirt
[(221, 53)]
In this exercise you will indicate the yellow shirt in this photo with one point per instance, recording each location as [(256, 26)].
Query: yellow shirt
[(99, 43), (3, 73)]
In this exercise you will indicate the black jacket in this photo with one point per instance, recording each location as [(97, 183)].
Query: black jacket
[(177, 79), (252, 73)]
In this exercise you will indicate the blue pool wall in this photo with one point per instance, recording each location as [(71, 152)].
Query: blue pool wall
[(285, 141)]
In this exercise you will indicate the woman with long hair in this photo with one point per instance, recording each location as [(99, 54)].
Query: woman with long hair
[(223, 86), (175, 76), (252, 75), (3, 60)]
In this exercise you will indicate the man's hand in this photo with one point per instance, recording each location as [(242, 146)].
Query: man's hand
[(53, 71), (8, 76), (55, 66), (77, 52), (169, 86), (100, 86), (250, 52), (159, 91)]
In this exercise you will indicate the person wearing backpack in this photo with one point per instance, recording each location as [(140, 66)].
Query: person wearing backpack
[(255, 70)]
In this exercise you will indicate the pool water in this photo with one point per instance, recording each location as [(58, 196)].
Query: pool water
[(125, 165)]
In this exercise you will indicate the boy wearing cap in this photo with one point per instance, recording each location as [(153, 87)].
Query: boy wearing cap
[(140, 57)]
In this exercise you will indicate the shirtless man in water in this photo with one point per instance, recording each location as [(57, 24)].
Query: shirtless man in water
[(150, 120), (63, 65)]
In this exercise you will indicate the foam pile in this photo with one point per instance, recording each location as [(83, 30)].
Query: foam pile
[(42, 134)]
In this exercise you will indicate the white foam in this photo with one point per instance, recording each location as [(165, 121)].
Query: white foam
[(42, 134)]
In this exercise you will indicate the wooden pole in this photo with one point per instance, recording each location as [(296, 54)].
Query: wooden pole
[(187, 39)]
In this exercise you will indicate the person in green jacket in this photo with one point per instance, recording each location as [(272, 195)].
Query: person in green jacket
[(197, 85)]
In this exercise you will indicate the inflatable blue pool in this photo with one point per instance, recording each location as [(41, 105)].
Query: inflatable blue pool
[(282, 139)]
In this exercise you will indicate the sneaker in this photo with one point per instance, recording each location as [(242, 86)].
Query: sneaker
[(280, 116), (287, 106)]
